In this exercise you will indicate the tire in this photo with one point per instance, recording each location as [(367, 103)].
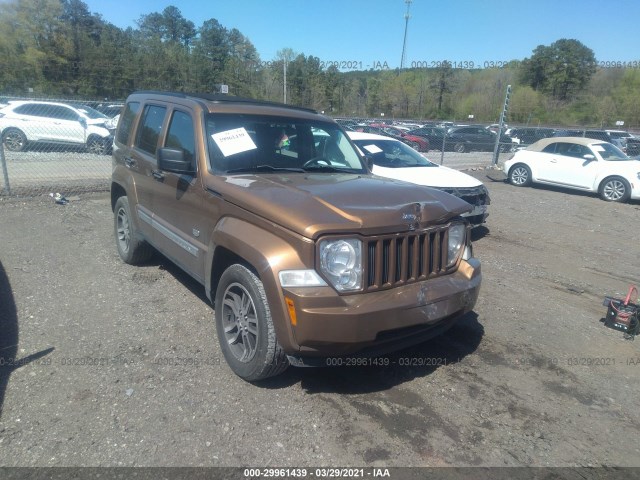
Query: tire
[(14, 140), (245, 327), (460, 147), (520, 175), (131, 249), (414, 145), (97, 145), (614, 189)]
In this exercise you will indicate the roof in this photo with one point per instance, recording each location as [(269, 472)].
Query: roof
[(541, 144), (369, 136), (223, 98)]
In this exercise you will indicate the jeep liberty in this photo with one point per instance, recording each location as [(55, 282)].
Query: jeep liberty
[(305, 255)]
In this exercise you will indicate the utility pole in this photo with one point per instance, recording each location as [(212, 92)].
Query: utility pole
[(284, 83), (406, 27), (503, 119)]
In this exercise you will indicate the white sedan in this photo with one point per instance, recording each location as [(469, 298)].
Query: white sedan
[(578, 163), (394, 159)]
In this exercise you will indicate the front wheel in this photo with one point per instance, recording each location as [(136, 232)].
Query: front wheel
[(14, 140), (615, 189), (520, 175), (131, 249), (245, 327), (460, 147)]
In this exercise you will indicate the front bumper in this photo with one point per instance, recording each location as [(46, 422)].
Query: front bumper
[(328, 324)]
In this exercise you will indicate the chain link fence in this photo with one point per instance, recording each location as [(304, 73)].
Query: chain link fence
[(60, 146), (56, 146)]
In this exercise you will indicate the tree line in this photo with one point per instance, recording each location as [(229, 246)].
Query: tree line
[(58, 48)]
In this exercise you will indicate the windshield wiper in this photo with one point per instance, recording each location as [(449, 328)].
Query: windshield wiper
[(327, 168), (264, 168)]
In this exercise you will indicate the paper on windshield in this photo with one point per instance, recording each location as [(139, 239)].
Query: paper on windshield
[(372, 148), (233, 141)]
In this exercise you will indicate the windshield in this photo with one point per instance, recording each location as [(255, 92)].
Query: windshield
[(392, 154), (89, 112), (609, 152), (251, 143)]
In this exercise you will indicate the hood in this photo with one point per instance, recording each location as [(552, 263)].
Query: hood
[(315, 204), (437, 176)]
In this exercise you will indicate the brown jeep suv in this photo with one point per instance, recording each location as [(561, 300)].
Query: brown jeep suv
[(308, 258)]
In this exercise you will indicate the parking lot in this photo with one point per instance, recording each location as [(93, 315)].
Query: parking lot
[(104, 364)]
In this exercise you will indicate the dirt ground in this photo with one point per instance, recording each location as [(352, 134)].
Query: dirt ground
[(105, 364)]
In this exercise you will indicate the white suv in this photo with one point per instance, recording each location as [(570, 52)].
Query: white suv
[(23, 122)]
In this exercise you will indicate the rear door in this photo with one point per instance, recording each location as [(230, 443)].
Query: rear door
[(141, 160)]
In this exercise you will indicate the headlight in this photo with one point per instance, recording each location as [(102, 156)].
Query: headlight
[(341, 263), (457, 234)]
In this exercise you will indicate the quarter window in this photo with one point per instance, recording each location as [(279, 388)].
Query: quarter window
[(126, 122)]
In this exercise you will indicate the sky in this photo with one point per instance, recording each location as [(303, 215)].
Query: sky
[(364, 34)]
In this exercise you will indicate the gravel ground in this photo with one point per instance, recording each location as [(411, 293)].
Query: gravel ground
[(111, 365)]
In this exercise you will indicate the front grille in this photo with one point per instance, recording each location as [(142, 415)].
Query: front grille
[(398, 259)]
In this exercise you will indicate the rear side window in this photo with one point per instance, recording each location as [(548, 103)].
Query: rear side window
[(181, 135), (126, 122), (34, 109), (150, 127)]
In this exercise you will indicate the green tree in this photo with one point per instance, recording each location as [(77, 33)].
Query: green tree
[(443, 84), (562, 69)]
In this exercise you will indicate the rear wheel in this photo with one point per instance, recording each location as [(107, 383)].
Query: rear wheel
[(520, 175), (615, 189), (245, 327), (460, 147), (14, 140)]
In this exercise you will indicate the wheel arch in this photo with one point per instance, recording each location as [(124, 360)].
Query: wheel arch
[(262, 252)]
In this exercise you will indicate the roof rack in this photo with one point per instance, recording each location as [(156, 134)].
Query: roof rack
[(222, 98)]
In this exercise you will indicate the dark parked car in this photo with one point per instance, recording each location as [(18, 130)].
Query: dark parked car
[(524, 136), (475, 138), (633, 146), (604, 135)]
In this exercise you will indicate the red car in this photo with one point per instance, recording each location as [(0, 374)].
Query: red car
[(420, 144)]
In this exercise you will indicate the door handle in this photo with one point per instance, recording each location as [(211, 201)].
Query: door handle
[(129, 162), (158, 175), (554, 160)]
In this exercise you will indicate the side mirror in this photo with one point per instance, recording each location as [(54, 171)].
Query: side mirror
[(172, 160), (83, 122), (589, 157)]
